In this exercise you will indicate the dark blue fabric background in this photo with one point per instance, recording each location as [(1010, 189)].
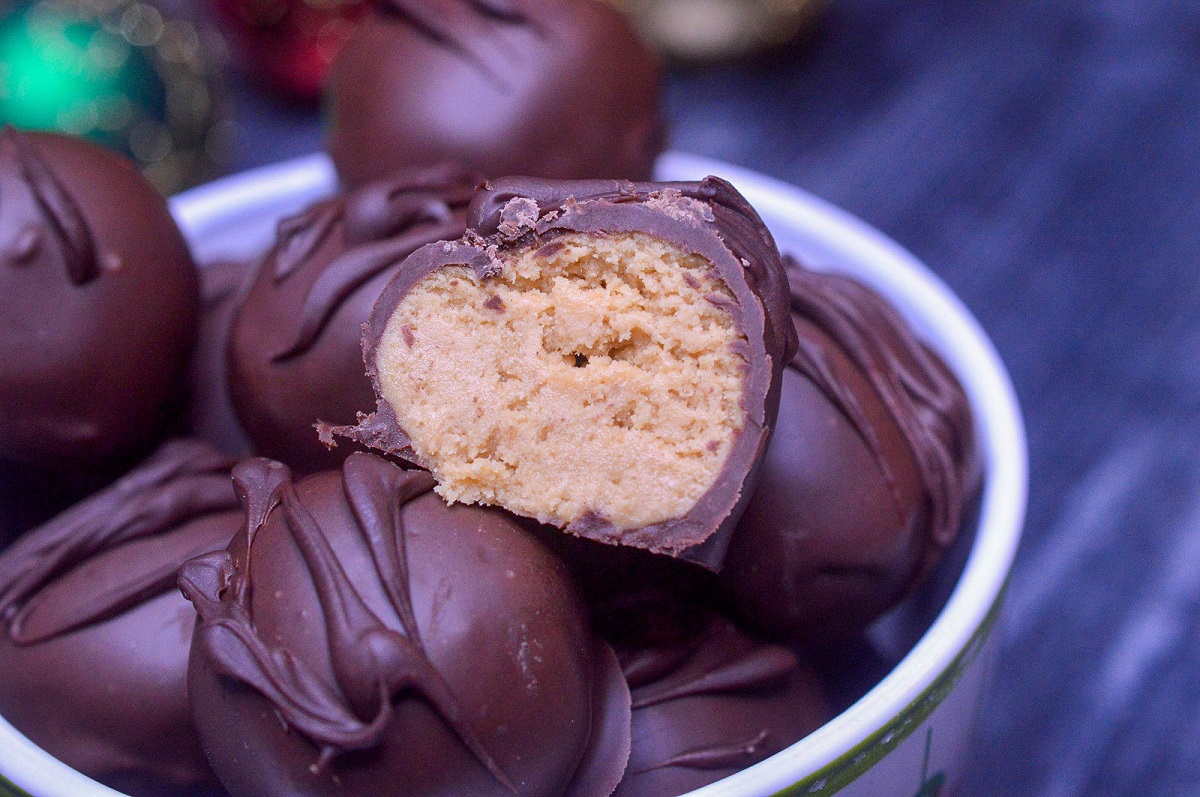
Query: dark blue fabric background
[(1043, 158)]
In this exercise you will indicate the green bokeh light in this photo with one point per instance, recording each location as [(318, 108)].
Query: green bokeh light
[(44, 79), (120, 73), (73, 74)]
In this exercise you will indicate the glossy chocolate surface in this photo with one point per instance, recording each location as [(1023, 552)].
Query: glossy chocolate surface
[(708, 219), (295, 352), (868, 474), (711, 705), (94, 636), (361, 637), (549, 88), (98, 304)]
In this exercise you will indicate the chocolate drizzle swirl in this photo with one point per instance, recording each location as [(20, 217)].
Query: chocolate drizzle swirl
[(717, 660), (61, 215), (372, 662), (182, 481), (737, 671), (445, 22), (380, 224), (389, 207), (735, 755), (301, 235), (917, 389), (720, 662)]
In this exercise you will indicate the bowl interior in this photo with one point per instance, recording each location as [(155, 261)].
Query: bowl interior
[(235, 218)]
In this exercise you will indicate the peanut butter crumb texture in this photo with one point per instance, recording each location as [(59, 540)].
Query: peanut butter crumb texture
[(592, 377)]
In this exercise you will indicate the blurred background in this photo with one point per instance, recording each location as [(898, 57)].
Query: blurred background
[(1042, 157)]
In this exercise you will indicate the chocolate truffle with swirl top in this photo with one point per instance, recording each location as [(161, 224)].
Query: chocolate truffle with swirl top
[(547, 88), (711, 705), (361, 637), (98, 304), (868, 475), (295, 352), (601, 356), (94, 635)]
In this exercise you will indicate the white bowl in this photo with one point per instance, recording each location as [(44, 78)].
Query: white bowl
[(908, 734)]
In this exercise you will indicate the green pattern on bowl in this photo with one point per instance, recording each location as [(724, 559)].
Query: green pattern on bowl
[(9, 790), (874, 748), (930, 787)]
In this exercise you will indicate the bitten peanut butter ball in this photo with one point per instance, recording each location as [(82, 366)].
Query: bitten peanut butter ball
[(548, 88), (98, 306), (295, 350), (360, 637), (603, 357), (94, 635), (868, 476)]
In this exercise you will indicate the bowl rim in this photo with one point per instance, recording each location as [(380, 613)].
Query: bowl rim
[(894, 707)]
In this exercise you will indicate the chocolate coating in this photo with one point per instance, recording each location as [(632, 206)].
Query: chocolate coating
[(211, 414), (295, 352), (98, 303), (712, 705), (549, 88), (868, 474), (709, 219), (361, 637), (94, 637)]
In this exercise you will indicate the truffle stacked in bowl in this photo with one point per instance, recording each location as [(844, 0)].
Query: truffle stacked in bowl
[(606, 470)]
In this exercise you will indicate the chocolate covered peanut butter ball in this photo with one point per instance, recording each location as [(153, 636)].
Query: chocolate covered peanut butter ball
[(98, 306), (868, 475), (547, 88), (713, 704), (600, 356), (360, 637), (295, 350), (94, 635)]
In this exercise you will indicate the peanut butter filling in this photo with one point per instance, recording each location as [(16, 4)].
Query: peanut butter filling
[(594, 377)]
